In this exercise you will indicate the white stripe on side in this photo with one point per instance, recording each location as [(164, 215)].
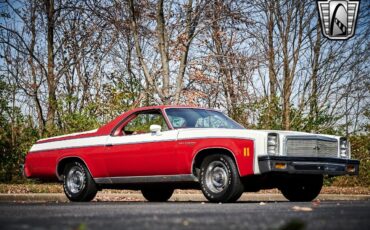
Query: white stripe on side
[(72, 143), (170, 135), (69, 135)]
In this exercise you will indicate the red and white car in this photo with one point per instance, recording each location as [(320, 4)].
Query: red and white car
[(158, 149)]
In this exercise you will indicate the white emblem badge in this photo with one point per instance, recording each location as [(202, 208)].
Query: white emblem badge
[(338, 18)]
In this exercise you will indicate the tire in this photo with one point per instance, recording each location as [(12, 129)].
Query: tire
[(220, 180), (78, 184), (302, 188), (159, 194)]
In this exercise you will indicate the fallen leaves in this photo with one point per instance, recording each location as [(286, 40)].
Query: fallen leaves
[(58, 188), (107, 198), (314, 203), (30, 188), (302, 209), (185, 222)]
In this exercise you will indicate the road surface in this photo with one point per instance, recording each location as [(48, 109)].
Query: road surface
[(186, 215)]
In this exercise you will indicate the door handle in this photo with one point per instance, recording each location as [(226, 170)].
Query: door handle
[(109, 145)]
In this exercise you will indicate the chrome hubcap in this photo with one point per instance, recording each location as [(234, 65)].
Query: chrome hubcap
[(217, 176), (75, 180)]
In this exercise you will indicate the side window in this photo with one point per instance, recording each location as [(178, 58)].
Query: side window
[(210, 122), (142, 122)]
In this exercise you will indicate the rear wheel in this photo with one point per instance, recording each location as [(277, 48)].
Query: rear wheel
[(78, 184), (219, 179), (159, 194), (302, 187)]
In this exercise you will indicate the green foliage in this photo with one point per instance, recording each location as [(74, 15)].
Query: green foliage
[(270, 117), (115, 98), (360, 149), (82, 226), (17, 133), (239, 115), (269, 114), (79, 121), (309, 123)]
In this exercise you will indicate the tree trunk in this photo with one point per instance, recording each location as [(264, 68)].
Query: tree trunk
[(314, 111), (51, 82), (287, 76), (134, 27), (190, 30), (292, 18), (271, 63), (228, 81), (162, 45), (40, 117)]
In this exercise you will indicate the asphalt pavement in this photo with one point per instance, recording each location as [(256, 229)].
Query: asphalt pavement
[(186, 215)]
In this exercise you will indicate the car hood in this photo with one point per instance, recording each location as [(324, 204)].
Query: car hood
[(246, 133), (295, 133)]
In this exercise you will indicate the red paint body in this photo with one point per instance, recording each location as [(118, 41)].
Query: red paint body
[(139, 159)]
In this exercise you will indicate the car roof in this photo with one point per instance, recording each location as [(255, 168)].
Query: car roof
[(105, 129), (168, 106)]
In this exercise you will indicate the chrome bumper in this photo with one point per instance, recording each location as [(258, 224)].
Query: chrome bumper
[(308, 165)]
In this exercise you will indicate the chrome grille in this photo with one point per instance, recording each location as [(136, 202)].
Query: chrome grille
[(311, 147)]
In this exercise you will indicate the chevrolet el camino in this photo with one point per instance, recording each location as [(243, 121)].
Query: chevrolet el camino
[(161, 148)]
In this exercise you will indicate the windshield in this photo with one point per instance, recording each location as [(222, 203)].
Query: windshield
[(199, 118)]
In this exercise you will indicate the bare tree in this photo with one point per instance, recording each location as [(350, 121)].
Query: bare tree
[(165, 35)]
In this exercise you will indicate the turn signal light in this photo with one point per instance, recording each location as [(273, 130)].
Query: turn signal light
[(350, 168), (280, 165)]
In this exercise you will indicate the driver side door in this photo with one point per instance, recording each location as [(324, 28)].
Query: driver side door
[(139, 152)]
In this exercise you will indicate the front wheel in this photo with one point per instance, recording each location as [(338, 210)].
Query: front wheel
[(78, 184), (158, 194), (302, 187), (220, 180)]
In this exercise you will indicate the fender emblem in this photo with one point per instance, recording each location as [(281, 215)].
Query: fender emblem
[(190, 143)]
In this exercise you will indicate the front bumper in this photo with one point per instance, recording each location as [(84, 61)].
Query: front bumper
[(308, 165)]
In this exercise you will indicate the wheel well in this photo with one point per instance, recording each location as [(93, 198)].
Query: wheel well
[(201, 155), (62, 164)]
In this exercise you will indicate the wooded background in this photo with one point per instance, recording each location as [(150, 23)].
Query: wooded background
[(69, 65)]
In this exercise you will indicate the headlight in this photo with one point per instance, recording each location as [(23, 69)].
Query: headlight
[(273, 144), (344, 147)]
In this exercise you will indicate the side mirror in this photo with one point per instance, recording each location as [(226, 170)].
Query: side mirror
[(155, 129)]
